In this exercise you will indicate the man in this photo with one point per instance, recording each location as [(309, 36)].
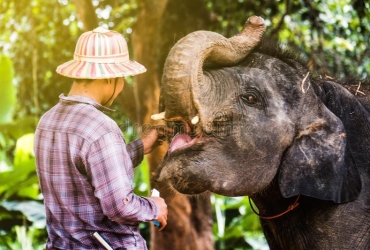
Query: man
[(83, 164)]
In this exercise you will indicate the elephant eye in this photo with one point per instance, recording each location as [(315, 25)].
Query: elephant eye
[(252, 97)]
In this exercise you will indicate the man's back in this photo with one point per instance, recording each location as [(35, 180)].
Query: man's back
[(78, 149)]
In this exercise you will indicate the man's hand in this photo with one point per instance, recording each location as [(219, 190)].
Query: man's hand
[(162, 211), (154, 136)]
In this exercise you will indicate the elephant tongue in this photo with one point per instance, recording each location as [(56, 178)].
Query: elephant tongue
[(178, 141)]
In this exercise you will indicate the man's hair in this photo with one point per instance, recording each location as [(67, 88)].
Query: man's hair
[(83, 80), (87, 81)]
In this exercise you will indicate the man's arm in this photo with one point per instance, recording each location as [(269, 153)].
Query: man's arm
[(111, 173), (135, 149), (151, 138)]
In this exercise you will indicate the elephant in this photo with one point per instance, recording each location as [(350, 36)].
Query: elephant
[(250, 119)]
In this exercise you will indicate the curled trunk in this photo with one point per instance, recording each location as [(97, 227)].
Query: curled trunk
[(183, 74)]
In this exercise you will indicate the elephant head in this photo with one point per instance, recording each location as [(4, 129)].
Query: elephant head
[(246, 119)]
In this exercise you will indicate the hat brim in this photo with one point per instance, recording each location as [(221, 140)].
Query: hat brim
[(89, 70)]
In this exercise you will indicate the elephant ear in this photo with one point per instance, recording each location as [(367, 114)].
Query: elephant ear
[(319, 163)]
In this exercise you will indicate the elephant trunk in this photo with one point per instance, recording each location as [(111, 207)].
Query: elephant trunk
[(183, 74)]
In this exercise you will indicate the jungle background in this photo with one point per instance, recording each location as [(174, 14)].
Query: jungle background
[(36, 36)]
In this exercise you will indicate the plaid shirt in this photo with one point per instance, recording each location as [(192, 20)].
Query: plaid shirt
[(86, 173)]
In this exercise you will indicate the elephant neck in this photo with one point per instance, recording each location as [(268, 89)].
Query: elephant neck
[(282, 229), (272, 205), (271, 217), (314, 224)]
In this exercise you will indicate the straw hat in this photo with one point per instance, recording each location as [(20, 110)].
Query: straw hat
[(100, 54)]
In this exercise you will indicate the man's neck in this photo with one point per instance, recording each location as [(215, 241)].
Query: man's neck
[(93, 90)]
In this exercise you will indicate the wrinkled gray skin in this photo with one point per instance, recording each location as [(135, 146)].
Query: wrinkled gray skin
[(269, 131)]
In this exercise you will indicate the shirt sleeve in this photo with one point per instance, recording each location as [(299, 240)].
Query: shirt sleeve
[(111, 173), (136, 151)]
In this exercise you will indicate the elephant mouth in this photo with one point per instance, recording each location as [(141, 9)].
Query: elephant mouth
[(179, 141), (188, 145), (187, 135), (183, 141)]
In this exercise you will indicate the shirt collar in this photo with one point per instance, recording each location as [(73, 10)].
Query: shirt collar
[(84, 99)]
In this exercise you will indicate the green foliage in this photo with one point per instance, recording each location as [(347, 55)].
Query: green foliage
[(21, 181), (333, 34), (22, 218), (235, 225), (7, 93), (141, 187), (19, 209), (23, 238), (32, 34)]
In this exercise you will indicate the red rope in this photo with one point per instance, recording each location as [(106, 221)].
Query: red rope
[(290, 208)]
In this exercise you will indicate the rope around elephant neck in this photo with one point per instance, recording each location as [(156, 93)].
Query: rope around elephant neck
[(290, 208)]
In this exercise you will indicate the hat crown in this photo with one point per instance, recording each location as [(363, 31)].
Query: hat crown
[(100, 53), (101, 30), (101, 46)]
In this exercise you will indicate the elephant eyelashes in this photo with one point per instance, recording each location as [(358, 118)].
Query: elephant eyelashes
[(252, 98)]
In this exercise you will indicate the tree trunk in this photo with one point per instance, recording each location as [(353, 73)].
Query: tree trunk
[(86, 13), (159, 25)]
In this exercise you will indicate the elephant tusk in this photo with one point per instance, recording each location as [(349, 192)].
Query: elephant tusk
[(195, 120), (159, 116)]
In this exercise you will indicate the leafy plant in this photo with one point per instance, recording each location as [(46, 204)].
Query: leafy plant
[(21, 180), (23, 238), (235, 225)]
